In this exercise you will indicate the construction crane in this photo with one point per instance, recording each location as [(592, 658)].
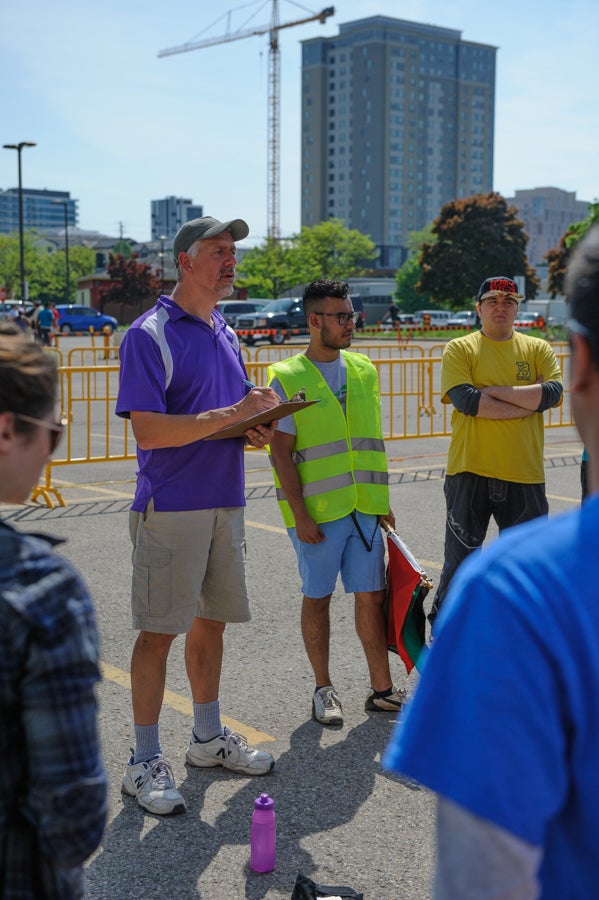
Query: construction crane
[(274, 95)]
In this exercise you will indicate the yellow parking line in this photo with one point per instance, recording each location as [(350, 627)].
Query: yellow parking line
[(183, 705), (275, 528), (575, 500)]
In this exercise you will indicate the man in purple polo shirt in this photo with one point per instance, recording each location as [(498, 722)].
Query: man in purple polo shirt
[(182, 379)]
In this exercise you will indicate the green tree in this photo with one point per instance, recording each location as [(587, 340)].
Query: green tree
[(50, 283), (409, 297), (328, 250), (476, 237), (409, 274), (133, 282), (332, 251), (45, 270), (268, 270), (35, 263), (558, 256)]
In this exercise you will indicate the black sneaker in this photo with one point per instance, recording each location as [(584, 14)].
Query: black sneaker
[(392, 701)]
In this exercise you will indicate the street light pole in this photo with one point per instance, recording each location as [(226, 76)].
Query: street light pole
[(18, 147), (65, 207)]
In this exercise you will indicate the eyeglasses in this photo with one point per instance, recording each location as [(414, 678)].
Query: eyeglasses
[(56, 429), (342, 318)]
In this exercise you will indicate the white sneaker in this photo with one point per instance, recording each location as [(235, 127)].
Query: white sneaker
[(326, 706), (231, 751), (152, 783)]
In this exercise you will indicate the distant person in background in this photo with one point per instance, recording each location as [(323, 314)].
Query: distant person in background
[(52, 780), (45, 322), (55, 320), (500, 382), (33, 318), (392, 315), (22, 321), (504, 725)]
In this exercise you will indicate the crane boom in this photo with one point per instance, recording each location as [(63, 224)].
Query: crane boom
[(240, 35), (273, 163)]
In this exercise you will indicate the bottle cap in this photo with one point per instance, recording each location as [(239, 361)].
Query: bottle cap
[(264, 802)]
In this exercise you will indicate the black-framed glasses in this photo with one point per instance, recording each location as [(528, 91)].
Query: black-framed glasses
[(342, 318), (56, 429)]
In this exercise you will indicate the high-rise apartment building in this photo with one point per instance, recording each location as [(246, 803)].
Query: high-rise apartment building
[(170, 213), (397, 119), (546, 213), (40, 209)]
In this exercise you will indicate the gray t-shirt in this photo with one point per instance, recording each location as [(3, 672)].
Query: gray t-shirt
[(335, 375), (476, 859)]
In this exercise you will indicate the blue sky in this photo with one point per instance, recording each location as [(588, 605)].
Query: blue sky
[(117, 126)]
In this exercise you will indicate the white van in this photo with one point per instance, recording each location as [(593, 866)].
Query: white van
[(438, 317)]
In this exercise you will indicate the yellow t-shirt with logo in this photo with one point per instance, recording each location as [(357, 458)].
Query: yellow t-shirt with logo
[(510, 449)]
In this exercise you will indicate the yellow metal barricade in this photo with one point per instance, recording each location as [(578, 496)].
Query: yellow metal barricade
[(93, 433), (411, 404)]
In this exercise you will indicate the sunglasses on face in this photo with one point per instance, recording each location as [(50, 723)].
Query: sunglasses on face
[(56, 429)]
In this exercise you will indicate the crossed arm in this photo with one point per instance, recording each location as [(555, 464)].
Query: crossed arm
[(505, 401), (509, 402)]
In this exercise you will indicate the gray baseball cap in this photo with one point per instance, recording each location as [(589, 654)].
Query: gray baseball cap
[(206, 227)]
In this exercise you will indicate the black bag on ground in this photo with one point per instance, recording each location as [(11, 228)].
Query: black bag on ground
[(306, 889)]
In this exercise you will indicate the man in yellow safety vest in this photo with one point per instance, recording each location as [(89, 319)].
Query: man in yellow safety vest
[(332, 486)]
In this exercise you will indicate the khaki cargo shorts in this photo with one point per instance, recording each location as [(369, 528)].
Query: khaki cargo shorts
[(187, 564)]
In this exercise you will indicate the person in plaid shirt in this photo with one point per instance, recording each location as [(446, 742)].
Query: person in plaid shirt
[(53, 787)]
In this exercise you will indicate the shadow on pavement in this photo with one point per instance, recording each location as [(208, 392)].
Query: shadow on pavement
[(316, 789)]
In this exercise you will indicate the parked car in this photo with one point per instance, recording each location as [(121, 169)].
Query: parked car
[(279, 316), (231, 309), (463, 318), (82, 318), (406, 320), (526, 320), (8, 306), (402, 320), (436, 317)]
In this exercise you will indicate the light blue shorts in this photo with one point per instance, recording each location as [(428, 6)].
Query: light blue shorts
[(342, 553)]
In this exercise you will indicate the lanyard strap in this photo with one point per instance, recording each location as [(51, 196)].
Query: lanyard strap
[(361, 533)]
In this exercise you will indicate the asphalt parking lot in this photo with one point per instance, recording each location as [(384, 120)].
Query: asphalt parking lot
[(341, 819)]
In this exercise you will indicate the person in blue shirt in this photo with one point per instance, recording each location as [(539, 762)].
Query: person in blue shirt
[(53, 792), (504, 724), (45, 322)]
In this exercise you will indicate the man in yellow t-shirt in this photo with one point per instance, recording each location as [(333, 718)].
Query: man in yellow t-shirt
[(500, 382)]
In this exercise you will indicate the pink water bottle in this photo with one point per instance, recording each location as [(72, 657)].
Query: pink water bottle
[(263, 840)]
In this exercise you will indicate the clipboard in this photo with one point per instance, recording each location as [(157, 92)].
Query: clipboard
[(286, 408)]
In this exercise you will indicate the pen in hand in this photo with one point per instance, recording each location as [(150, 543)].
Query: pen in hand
[(248, 384)]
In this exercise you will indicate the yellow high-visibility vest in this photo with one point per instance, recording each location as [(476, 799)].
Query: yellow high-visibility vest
[(340, 459)]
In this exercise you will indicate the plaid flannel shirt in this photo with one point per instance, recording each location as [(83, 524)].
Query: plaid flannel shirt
[(53, 792)]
